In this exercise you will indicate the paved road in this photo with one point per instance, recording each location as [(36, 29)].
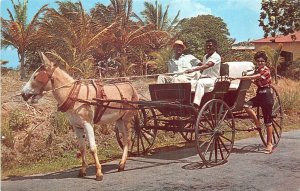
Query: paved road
[(247, 169)]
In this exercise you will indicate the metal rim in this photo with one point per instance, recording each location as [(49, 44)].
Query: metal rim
[(214, 132), (142, 138)]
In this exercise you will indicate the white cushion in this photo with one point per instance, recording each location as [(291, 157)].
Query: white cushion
[(236, 69)]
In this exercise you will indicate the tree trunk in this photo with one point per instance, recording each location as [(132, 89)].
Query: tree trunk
[(22, 66)]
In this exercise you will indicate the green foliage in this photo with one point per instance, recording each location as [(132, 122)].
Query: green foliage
[(236, 56), (293, 71), (60, 123), (154, 14), (18, 120), (17, 33), (280, 16), (196, 30), (161, 58), (8, 138)]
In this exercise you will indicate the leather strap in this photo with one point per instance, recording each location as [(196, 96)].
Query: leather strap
[(71, 99), (100, 94)]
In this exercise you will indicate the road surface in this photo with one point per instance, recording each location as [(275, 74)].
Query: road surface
[(248, 168)]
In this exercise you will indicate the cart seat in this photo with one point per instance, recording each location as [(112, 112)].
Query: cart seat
[(238, 69), (174, 97)]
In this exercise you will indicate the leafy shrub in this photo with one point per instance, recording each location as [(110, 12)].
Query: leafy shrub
[(60, 123), (7, 135), (18, 120)]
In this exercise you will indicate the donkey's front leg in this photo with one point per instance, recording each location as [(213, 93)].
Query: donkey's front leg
[(81, 141), (124, 127), (91, 137)]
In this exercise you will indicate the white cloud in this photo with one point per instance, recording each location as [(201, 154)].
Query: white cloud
[(253, 5), (189, 8)]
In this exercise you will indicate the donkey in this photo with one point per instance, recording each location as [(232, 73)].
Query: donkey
[(68, 92)]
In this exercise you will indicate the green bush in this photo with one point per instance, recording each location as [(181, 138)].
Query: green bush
[(60, 123), (7, 135), (18, 120)]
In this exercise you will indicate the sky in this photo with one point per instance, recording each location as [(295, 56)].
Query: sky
[(241, 16)]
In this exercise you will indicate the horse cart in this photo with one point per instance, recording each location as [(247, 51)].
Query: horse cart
[(212, 126)]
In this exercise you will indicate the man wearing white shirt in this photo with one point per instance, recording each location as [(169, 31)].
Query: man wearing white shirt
[(179, 64), (210, 70)]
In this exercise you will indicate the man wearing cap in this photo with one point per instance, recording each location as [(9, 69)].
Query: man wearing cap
[(210, 70), (178, 64)]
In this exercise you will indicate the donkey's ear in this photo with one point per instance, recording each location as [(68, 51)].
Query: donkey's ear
[(45, 60)]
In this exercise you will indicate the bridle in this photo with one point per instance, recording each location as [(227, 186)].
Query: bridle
[(43, 77)]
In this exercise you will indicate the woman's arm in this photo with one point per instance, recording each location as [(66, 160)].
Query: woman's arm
[(252, 77)]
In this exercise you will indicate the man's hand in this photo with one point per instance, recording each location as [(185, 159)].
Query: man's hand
[(189, 71)]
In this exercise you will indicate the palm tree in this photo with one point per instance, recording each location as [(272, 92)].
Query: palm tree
[(76, 38), (17, 33), (154, 14), (162, 57), (130, 38), (273, 56)]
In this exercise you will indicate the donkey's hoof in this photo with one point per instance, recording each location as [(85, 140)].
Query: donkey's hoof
[(81, 174), (99, 177), (121, 168)]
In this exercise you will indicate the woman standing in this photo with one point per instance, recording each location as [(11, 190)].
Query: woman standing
[(263, 98)]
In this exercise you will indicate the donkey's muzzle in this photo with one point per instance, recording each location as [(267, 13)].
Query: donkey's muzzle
[(26, 96)]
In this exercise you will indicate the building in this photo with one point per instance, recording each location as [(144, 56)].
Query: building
[(290, 49)]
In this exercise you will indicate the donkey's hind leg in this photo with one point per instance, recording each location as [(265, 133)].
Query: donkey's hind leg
[(82, 148), (124, 126), (91, 137)]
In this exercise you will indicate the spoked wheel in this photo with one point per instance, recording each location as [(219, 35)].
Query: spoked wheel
[(277, 120), (189, 135), (215, 132), (142, 137)]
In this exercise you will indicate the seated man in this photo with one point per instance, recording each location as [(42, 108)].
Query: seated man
[(210, 70), (178, 64)]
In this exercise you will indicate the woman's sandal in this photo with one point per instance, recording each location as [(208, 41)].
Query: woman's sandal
[(268, 150), (253, 128)]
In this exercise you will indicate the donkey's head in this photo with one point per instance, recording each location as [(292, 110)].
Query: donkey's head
[(39, 81)]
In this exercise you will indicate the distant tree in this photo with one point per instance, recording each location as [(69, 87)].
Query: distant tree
[(19, 34), (161, 58), (130, 39), (154, 14), (71, 36), (280, 17), (196, 30)]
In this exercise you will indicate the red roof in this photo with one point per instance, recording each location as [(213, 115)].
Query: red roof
[(280, 38)]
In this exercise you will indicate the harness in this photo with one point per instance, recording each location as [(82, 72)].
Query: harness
[(100, 94), (71, 99), (101, 98)]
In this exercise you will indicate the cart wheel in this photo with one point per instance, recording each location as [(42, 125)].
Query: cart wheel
[(189, 136), (277, 120), (215, 132), (142, 137)]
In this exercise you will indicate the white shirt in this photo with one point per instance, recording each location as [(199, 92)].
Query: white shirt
[(183, 63), (214, 71)]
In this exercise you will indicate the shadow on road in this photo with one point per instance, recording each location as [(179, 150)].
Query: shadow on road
[(72, 173), (177, 156), (254, 148)]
